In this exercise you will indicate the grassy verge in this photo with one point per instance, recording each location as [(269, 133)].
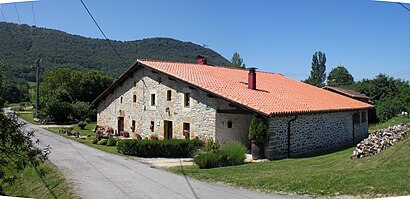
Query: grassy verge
[(28, 117), (31, 184), (332, 174), (89, 130), (396, 120)]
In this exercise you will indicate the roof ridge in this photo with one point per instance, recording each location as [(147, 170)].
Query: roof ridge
[(232, 68)]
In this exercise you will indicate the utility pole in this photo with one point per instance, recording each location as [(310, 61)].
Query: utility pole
[(38, 68)]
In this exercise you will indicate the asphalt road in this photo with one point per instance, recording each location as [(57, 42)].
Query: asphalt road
[(97, 174)]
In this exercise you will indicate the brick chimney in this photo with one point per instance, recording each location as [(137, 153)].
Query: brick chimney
[(202, 59), (252, 78)]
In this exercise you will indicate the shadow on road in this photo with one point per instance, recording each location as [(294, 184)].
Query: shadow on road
[(187, 180)]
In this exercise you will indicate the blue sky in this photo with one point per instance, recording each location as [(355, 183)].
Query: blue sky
[(366, 37)]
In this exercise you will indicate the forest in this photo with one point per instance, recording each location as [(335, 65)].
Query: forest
[(21, 45)]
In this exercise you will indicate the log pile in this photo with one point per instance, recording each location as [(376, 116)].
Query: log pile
[(380, 140)]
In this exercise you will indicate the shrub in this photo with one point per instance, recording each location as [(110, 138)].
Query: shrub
[(112, 141), (82, 124), (258, 131), (102, 142), (95, 141), (210, 145), (208, 159), (158, 148), (233, 153)]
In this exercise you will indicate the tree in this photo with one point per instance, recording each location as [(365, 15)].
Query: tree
[(237, 61), (339, 76), (318, 73), (391, 96), (17, 150)]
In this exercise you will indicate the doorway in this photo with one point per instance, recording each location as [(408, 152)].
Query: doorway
[(167, 130), (120, 124)]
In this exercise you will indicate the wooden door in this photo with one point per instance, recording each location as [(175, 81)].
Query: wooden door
[(120, 124), (167, 130)]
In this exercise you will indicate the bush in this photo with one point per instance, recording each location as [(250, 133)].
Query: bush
[(102, 142), (112, 141), (258, 131), (95, 141), (208, 159), (82, 124), (210, 145), (233, 153), (159, 148), (388, 107)]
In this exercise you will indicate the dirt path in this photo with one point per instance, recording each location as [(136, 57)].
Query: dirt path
[(97, 174)]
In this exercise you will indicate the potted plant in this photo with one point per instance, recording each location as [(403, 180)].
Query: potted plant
[(154, 137), (125, 134), (258, 134), (186, 134)]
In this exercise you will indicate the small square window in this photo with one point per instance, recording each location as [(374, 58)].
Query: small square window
[(152, 99), (169, 92), (186, 99), (230, 124), (134, 98)]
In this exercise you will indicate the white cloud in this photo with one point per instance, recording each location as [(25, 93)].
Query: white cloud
[(14, 1), (402, 1)]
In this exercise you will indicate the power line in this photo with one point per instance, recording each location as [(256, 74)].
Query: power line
[(404, 6), (34, 16), (18, 16), (102, 32)]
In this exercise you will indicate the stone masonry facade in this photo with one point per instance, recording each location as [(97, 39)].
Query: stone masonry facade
[(133, 101), (147, 100), (314, 132)]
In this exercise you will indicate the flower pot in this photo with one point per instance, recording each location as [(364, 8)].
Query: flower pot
[(257, 150)]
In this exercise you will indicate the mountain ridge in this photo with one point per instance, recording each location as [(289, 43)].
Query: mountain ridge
[(21, 45)]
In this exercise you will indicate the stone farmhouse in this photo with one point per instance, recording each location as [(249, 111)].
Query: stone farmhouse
[(168, 99)]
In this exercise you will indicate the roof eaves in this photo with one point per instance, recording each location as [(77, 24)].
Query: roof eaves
[(114, 85)]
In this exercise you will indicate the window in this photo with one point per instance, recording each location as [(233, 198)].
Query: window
[(133, 126), (356, 118), (187, 130), (152, 99), (186, 99), (230, 124), (364, 117), (151, 126), (134, 98), (169, 95), (121, 100)]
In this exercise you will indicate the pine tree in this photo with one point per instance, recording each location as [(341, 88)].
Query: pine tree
[(318, 73), (237, 61)]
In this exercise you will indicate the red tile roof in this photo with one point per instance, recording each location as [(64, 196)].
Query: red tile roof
[(275, 94), (348, 92)]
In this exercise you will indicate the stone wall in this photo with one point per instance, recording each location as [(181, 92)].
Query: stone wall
[(201, 114), (314, 132), (236, 130)]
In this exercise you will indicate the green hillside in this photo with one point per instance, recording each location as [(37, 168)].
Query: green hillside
[(20, 45)]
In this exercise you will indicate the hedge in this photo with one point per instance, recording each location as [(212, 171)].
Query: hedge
[(159, 148)]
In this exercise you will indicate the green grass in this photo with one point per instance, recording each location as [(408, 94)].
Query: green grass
[(396, 120), (89, 130), (28, 117), (332, 174), (30, 184)]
